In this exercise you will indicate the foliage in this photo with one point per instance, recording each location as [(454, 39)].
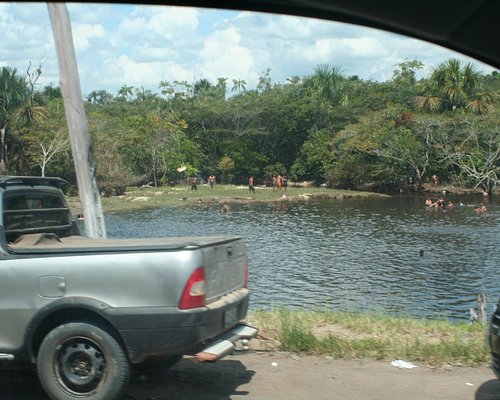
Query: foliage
[(326, 127), (453, 86), (315, 157), (472, 145), (225, 167)]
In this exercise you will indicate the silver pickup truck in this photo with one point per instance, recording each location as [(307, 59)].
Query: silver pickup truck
[(87, 311)]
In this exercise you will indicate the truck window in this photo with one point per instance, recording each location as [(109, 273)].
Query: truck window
[(35, 213)]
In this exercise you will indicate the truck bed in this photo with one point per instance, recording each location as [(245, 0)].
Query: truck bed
[(51, 243)]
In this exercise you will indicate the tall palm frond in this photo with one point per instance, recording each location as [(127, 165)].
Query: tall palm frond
[(428, 103), (28, 114), (330, 84), (451, 86)]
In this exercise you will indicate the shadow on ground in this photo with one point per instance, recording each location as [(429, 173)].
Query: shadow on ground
[(16, 385), (188, 380), (489, 390)]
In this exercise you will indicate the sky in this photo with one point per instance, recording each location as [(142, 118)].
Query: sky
[(140, 46)]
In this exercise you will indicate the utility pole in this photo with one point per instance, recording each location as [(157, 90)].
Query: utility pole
[(81, 146)]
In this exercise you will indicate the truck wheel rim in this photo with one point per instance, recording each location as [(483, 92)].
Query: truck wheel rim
[(80, 365)]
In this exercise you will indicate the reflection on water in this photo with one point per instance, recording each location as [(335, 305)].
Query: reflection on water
[(350, 255)]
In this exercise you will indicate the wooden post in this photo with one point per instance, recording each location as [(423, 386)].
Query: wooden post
[(481, 307), (77, 121)]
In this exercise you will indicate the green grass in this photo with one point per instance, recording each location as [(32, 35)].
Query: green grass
[(368, 336), (143, 198)]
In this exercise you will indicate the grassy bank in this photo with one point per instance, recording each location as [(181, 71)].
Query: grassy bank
[(367, 336), (142, 198)]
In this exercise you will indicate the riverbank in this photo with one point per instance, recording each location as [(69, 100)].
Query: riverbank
[(366, 336), (455, 190), (148, 197)]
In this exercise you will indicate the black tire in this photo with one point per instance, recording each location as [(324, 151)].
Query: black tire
[(79, 360), (156, 365)]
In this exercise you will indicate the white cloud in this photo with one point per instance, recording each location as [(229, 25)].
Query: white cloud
[(223, 56), (83, 33), (124, 70), (148, 24), (141, 45)]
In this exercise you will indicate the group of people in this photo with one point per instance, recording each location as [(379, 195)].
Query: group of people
[(279, 181), (194, 182), (442, 203), (438, 203)]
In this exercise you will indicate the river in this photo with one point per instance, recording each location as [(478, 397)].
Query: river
[(389, 255)]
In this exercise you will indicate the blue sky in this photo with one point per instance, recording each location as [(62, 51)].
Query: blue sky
[(142, 45)]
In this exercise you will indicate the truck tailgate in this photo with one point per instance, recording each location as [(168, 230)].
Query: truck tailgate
[(225, 266)]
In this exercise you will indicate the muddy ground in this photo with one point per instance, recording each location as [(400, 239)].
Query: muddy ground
[(275, 376)]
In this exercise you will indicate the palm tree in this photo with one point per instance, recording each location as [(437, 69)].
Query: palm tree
[(125, 92), (330, 85), (203, 86), (294, 80), (18, 108), (451, 86), (239, 85)]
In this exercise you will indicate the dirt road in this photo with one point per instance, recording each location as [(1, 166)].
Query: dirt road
[(273, 376)]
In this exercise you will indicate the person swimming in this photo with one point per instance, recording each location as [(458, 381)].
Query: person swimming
[(225, 208), (480, 209)]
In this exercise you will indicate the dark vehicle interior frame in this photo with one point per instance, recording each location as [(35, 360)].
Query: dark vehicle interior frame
[(468, 26)]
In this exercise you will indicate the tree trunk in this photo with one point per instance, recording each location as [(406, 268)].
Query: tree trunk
[(3, 151), (77, 121)]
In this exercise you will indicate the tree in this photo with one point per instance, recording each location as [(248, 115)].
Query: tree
[(125, 92), (45, 147), (454, 86), (239, 85), (388, 147), (315, 157), (226, 166), (202, 87), (473, 146), (404, 81), (221, 88), (50, 92), (330, 85), (264, 85), (145, 95), (99, 97), (18, 107)]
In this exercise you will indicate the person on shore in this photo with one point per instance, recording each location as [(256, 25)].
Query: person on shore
[(251, 185), (194, 183), (278, 182), (273, 183), (285, 182), (435, 180), (211, 181)]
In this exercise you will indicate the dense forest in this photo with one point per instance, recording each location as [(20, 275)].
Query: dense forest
[(326, 127)]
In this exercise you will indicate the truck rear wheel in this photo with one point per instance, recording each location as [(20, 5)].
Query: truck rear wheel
[(80, 360)]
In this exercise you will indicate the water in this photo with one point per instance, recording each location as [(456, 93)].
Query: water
[(349, 255)]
